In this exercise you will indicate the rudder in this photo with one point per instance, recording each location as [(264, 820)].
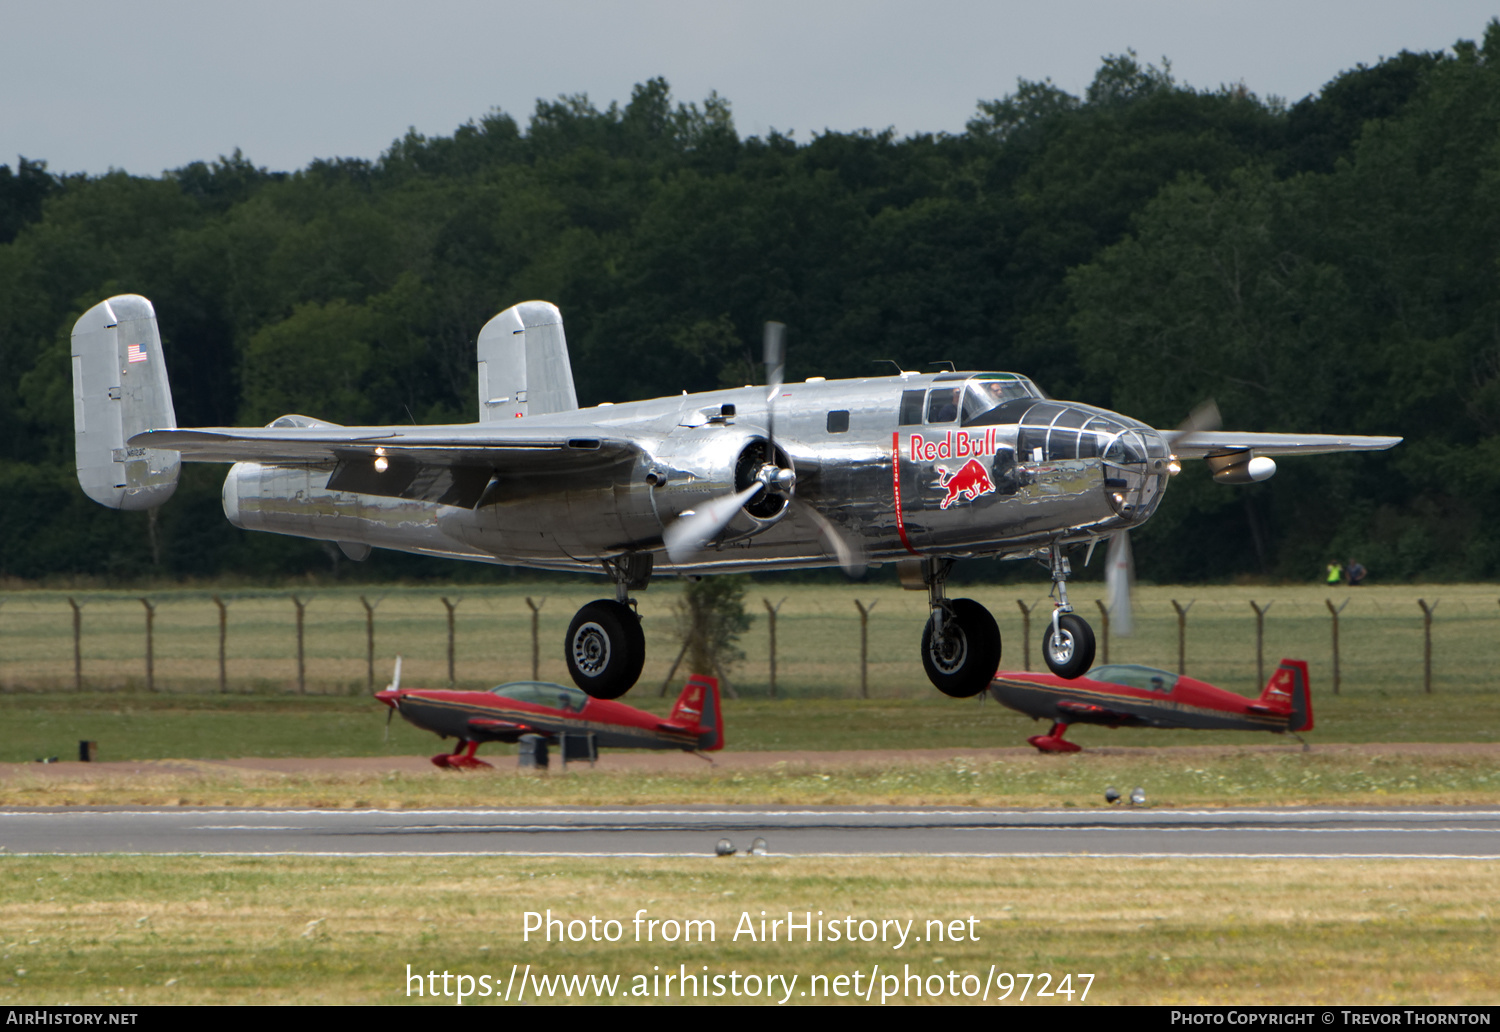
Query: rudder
[(524, 368), (120, 389), (699, 704), (1289, 684)]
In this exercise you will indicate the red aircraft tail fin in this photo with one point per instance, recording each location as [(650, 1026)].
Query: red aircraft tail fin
[(1287, 689), (699, 705)]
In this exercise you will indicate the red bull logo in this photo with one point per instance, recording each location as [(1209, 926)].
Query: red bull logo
[(971, 481), (954, 444)]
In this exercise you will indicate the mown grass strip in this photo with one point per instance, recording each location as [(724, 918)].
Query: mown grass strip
[(178, 930), (1234, 778)]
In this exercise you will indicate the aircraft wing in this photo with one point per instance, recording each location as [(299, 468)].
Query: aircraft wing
[(1088, 711), (1200, 443), (448, 464), (489, 725)]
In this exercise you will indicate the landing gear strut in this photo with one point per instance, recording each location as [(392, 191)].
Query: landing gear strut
[(605, 647), (461, 758), (1053, 741), (1068, 642), (961, 642)]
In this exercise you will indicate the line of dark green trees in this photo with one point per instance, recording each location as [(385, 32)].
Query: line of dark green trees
[(1329, 266)]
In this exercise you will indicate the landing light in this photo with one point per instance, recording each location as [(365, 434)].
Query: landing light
[(382, 464), (1174, 466)]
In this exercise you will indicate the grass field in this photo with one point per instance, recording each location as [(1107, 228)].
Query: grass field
[(818, 636), (177, 930), (1233, 778)]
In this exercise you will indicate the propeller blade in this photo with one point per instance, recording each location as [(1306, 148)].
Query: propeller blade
[(775, 355), (389, 713), (395, 677), (1119, 577), (1204, 417), (686, 537), (851, 557)]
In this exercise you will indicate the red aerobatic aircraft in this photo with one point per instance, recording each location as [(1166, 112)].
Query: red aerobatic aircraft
[(1124, 695), (558, 713)]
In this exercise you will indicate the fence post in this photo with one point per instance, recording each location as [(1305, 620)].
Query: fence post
[(150, 632), (1026, 632), (77, 645), (536, 647), (369, 642), (1104, 622), (1427, 612), (1182, 635), (771, 612), (1335, 613), (451, 607), (1260, 639), (864, 646), (223, 634), (301, 654)]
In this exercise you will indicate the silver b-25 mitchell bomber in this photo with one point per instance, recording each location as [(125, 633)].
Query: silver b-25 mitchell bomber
[(914, 469)]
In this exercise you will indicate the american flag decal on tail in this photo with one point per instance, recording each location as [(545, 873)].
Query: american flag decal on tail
[(136, 353)]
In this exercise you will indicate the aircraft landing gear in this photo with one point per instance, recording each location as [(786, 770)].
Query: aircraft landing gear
[(1053, 741), (961, 642), (1068, 642), (462, 758), (606, 647)]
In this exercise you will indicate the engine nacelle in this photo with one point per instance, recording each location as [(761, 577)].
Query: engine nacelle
[(1241, 467), (696, 465)]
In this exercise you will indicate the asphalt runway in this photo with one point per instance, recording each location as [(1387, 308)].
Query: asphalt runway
[(842, 831)]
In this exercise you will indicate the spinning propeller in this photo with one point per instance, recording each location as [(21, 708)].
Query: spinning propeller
[(693, 530), (1119, 562), (393, 686)]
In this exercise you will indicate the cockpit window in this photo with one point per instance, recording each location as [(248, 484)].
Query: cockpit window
[(987, 392), (942, 405), (541, 693), (1130, 675)]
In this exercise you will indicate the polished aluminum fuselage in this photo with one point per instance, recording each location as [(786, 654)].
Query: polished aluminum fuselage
[(893, 489)]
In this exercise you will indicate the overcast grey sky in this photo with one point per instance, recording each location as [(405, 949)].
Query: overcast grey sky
[(147, 85)]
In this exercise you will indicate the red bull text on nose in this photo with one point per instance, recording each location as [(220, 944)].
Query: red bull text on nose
[(954, 444), (970, 481)]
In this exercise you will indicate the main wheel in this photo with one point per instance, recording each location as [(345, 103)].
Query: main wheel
[(1070, 652), (962, 660), (605, 648)]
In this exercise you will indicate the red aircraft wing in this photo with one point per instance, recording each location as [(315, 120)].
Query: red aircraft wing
[(493, 726), (1085, 709)]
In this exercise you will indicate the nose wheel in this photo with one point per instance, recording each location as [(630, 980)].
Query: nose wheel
[(1068, 642), (1069, 647)]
